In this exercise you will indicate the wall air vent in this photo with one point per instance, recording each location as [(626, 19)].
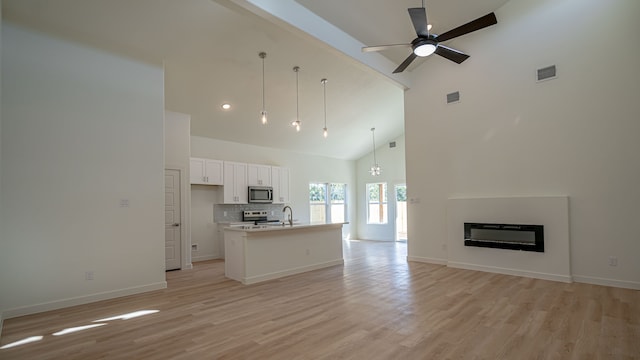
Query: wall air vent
[(392, 144), (546, 73), (454, 97)]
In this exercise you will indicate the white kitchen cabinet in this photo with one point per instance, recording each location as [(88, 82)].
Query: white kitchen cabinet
[(206, 171), (280, 182), (235, 183), (258, 175)]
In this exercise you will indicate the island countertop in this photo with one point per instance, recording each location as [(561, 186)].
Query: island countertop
[(280, 227)]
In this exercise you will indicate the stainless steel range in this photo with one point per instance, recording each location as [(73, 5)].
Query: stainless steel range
[(257, 216)]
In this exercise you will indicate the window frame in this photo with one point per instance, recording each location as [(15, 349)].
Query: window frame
[(383, 200), (328, 201)]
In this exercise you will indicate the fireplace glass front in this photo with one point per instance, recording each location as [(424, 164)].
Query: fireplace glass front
[(505, 236)]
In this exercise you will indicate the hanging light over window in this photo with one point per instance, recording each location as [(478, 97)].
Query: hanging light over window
[(296, 123), (325, 132), (263, 113), (375, 168)]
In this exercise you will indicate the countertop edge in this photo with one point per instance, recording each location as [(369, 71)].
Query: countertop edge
[(270, 228)]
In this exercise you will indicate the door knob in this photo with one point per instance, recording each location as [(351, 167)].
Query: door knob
[(176, 224)]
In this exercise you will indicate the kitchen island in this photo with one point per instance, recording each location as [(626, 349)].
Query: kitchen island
[(256, 253)]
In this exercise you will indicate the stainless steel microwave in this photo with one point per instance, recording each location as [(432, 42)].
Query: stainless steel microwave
[(261, 194)]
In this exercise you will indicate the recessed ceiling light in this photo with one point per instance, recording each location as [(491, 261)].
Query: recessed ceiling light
[(226, 106)]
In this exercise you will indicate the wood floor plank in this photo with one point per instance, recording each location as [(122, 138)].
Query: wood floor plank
[(376, 306)]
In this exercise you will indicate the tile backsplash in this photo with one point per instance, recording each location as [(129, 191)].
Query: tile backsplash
[(234, 212)]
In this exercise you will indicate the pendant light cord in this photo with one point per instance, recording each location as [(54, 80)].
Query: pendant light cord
[(296, 69), (263, 56), (324, 90), (373, 135)]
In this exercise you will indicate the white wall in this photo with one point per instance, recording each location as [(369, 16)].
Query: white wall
[(510, 136), (204, 229), (392, 163), (177, 136), (304, 170), (1, 217), (82, 131)]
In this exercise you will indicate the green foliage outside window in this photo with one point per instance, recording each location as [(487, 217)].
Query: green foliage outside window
[(317, 192), (401, 193)]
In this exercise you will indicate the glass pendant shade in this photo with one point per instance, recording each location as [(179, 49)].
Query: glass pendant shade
[(263, 117)]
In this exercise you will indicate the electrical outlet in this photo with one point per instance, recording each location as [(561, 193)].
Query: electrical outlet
[(444, 247), (224, 213), (194, 247), (88, 275), (613, 261), (307, 252)]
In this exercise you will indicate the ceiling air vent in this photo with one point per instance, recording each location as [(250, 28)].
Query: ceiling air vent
[(392, 144), (546, 73), (454, 97)]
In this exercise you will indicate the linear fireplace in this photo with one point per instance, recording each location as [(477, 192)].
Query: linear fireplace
[(505, 236)]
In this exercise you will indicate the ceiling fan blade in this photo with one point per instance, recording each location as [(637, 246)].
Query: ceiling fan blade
[(477, 24), (419, 20), (451, 54), (405, 63), (384, 47)]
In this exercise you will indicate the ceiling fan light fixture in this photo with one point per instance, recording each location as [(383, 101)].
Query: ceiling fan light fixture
[(424, 47)]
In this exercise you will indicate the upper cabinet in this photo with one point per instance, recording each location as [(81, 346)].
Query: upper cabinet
[(259, 175), (280, 183), (206, 171), (235, 183)]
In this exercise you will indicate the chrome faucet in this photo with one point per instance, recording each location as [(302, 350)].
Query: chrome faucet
[(290, 214)]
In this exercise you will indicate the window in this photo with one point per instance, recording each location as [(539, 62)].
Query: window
[(318, 203), (328, 202), (338, 198), (377, 203)]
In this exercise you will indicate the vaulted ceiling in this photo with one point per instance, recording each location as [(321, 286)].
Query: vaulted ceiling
[(209, 50)]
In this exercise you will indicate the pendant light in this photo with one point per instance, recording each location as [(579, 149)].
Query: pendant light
[(325, 133), (375, 168), (263, 113), (296, 123)]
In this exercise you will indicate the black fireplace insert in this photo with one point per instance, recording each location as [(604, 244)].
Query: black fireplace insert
[(505, 236)]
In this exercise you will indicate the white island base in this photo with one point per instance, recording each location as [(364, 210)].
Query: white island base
[(260, 253)]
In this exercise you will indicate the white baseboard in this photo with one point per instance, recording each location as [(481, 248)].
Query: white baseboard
[(204, 258), (427, 260), (634, 285), (279, 274), (515, 272), (59, 304)]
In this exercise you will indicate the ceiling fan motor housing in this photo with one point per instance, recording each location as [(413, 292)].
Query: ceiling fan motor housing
[(424, 46)]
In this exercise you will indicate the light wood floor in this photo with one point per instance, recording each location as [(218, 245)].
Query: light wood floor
[(377, 306)]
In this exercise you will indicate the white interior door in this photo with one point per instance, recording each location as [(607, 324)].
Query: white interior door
[(172, 224)]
